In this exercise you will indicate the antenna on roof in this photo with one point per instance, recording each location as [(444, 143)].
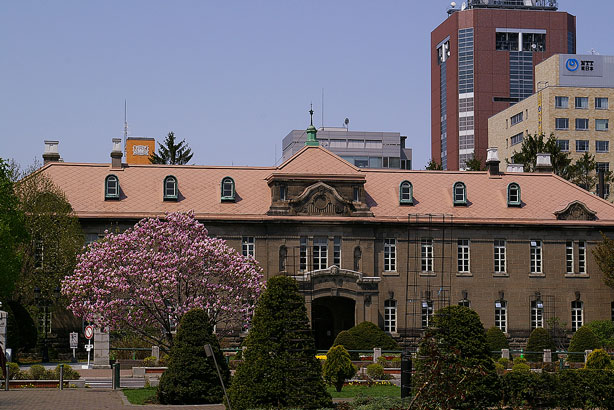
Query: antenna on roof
[(346, 124), (322, 119), (125, 125), (594, 52)]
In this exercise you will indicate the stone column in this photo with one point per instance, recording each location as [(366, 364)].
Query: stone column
[(505, 353), (377, 352), (3, 324), (547, 356), (101, 349), (155, 352)]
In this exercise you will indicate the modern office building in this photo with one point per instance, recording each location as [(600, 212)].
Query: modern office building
[(482, 61), (363, 149), (388, 246), (571, 102)]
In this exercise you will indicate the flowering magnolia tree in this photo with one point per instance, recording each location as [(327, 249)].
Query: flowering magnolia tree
[(146, 278)]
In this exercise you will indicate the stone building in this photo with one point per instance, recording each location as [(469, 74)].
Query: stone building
[(572, 102), (382, 245)]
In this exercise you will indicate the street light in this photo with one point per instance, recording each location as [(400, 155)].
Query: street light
[(45, 303)]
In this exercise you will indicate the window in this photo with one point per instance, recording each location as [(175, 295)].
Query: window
[(501, 315), (515, 119), (373, 144), (390, 316), (357, 257), (427, 313), (569, 257), (337, 143), (406, 193), (516, 139), (337, 251), (170, 188), (507, 41), (602, 166), (390, 255), (303, 253), (601, 125), (577, 315), (602, 146), (582, 124), (463, 255), (320, 253), (561, 102), (426, 255), (443, 52), (228, 189), (581, 257), (537, 314), (464, 302), (283, 192), (111, 187), (460, 194), (582, 145), (563, 145), (248, 246), (356, 194), (533, 42), (581, 103), (283, 257), (499, 255), (356, 144), (513, 194), (39, 253), (561, 123), (536, 256), (601, 103)]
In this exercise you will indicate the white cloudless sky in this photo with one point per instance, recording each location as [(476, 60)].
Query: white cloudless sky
[(231, 77)]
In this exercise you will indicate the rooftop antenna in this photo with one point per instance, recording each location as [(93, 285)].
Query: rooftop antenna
[(322, 119), (125, 125), (594, 52), (346, 123)]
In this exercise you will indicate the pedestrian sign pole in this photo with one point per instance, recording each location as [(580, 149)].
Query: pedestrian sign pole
[(74, 342), (89, 333)]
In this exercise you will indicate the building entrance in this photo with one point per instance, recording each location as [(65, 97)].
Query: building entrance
[(331, 315)]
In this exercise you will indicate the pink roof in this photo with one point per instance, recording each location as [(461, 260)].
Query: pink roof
[(200, 189)]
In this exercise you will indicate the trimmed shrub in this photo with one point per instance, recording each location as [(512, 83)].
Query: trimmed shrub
[(338, 367), (525, 389), (164, 359), (279, 368), (496, 341), (69, 373), (150, 361), (376, 371), (14, 371), (521, 367), (456, 366), (191, 377), (604, 330), (365, 336), (396, 362), (37, 372), (583, 339), (504, 362), (538, 341), (599, 359)]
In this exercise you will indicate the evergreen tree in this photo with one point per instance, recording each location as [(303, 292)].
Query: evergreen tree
[(496, 341), (535, 144), (538, 341), (583, 172), (433, 166), (171, 153), (338, 367), (191, 377), (280, 369), (604, 256), (474, 164)]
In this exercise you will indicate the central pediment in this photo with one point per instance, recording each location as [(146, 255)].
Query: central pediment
[(321, 199)]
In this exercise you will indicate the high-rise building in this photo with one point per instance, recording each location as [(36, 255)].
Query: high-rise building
[(483, 59)]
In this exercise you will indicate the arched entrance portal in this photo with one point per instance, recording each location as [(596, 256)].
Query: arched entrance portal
[(330, 315)]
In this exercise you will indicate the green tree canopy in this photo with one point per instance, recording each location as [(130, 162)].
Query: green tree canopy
[(538, 341), (13, 233), (433, 166), (583, 339), (365, 336), (474, 164), (172, 153), (496, 340), (604, 256), (280, 369), (338, 366), (191, 377), (535, 144)]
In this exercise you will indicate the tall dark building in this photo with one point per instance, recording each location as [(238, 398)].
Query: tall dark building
[(483, 59)]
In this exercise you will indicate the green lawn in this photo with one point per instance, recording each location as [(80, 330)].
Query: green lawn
[(146, 395), (366, 391)]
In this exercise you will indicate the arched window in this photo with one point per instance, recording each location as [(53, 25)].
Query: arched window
[(228, 189), (111, 187), (459, 193), (283, 254), (513, 194), (357, 257), (406, 193), (170, 188)]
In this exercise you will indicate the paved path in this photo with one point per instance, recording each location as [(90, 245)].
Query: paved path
[(44, 399)]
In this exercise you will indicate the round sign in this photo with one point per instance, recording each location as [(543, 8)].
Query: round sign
[(572, 64), (89, 332)]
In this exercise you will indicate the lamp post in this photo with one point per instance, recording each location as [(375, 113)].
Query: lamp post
[(45, 303)]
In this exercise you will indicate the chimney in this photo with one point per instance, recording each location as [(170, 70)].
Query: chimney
[(543, 164), (515, 168), (116, 154), (492, 161), (51, 153)]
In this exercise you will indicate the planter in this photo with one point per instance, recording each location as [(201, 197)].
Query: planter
[(148, 371), (51, 384), (392, 370)]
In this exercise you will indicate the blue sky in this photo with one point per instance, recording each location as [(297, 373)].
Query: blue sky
[(232, 78)]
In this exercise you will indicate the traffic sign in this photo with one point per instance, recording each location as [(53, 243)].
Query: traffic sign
[(74, 340), (89, 332)]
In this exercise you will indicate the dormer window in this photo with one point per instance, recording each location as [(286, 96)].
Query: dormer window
[(459, 193), (406, 193), (111, 187), (513, 194), (228, 189), (170, 188)]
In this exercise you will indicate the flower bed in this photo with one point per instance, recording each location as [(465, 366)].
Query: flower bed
[(53, 384)]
